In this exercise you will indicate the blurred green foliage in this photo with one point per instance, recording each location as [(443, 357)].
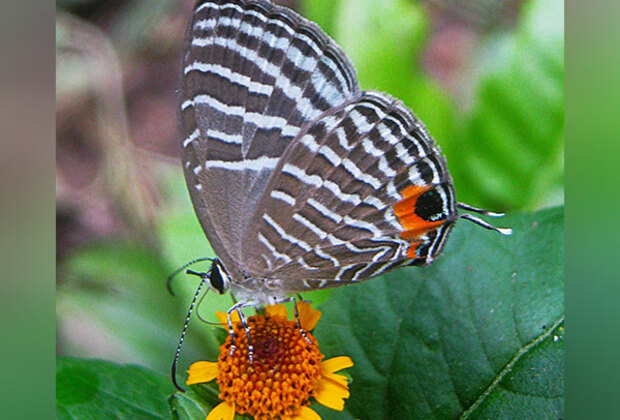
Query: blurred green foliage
[(505, 145)]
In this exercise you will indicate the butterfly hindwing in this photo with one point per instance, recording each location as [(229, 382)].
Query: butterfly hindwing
[(361, 190)]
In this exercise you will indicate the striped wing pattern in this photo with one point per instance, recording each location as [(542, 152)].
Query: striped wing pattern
[(333, 210), (253, 75), (300, 180)]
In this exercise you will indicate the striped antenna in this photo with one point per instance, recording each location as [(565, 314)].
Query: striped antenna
[(482, 223), (173, 371), (178, 270), (479, 211)]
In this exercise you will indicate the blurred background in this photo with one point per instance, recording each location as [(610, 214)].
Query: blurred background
[(485, 77)]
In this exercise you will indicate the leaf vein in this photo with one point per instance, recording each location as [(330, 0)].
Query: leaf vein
[(508, 368)]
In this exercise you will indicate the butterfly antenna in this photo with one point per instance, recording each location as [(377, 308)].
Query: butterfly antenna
[(217, 324), (479, 211), (173, 371), (177, 271), (482, 223)]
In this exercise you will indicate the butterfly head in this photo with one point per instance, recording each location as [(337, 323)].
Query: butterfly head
[(218, 277)]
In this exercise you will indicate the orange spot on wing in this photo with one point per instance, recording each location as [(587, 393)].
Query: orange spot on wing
[(411, 251), (414, 226), (413, 222), (414, 190), (420, 229), (407, 204)]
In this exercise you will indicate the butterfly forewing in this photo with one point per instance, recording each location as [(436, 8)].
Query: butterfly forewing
[(253, 75)]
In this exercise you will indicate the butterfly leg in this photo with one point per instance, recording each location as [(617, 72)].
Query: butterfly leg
[(231, 331), (246, 327), (296, 312), (243, 303), (301, 299)]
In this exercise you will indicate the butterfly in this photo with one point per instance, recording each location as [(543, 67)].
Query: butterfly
[(300, 179)]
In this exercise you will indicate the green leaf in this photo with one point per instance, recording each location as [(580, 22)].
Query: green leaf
[(510, 154), (479, 333), (94, 389), (189, 406), (197, 402)]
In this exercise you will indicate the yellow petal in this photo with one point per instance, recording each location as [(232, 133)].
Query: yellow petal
[(308, 316), (278, 310), (223, 317), (222, 411), (336, 363), (331, 394), (306, 413), (339, 379), (200, 372)]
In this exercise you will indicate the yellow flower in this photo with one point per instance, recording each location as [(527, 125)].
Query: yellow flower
[(286, 371)]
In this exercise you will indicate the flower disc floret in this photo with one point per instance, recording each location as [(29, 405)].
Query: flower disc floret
[(282, 376), (287, 369)]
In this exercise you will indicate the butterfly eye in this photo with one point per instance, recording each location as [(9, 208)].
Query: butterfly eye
[(218, 277), (216, 281)]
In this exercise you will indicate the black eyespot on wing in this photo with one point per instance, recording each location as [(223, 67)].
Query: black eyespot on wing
[(429, 206)]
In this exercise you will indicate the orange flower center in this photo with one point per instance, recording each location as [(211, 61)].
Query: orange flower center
[(283, 375)]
